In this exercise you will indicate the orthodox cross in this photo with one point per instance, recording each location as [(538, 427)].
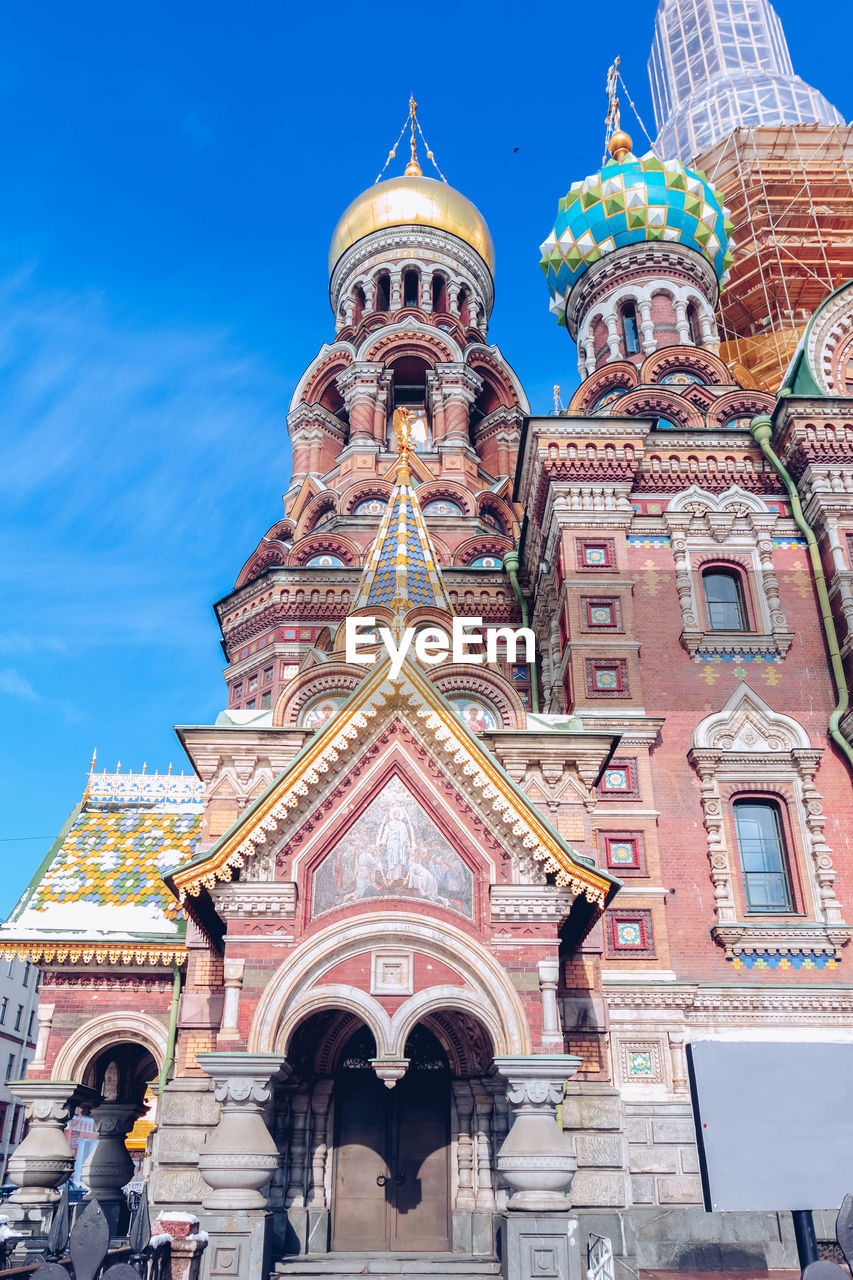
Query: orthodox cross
[(612, 119)]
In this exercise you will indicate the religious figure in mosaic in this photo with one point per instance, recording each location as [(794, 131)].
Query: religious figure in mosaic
[(393, 849)]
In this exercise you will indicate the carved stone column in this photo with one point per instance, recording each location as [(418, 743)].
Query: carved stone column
[(240, 1155), (44, 1160), (359, 386), (233, 974), (318, 1208), (464, 1146), (681, 323), (483, 1113), (647, 327), (426, 291), (459, 388), (44, 1013), (109, 1166), (678, 1061), (613, 335), (537, 1160), (552, 1033)]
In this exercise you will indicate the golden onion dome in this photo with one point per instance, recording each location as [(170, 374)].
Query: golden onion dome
[(412, 200)]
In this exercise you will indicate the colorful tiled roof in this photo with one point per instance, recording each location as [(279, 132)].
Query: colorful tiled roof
[(629, 202), (401, 571), (100, 891), (114, 858)]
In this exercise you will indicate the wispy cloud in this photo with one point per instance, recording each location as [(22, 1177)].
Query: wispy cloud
[(16, 685), (136, 460)]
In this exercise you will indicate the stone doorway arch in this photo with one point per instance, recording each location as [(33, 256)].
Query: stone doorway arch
[(325, 1049), (480, 987)]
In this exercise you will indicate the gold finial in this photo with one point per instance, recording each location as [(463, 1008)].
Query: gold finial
[(620, 145), (402, 425), (413, 168)]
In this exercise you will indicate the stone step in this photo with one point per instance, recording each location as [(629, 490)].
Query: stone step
[(387, 1266)]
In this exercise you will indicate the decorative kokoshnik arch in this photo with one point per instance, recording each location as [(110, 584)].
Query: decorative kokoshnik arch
[(297, 989)]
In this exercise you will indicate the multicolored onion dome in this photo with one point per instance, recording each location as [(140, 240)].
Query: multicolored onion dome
[(630, 201)]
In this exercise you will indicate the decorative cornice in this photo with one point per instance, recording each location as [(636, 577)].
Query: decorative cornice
[(71, 951), (529, 902), (783, 939), (262, 898)]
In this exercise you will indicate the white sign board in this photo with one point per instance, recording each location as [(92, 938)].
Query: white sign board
[(775, 1123)]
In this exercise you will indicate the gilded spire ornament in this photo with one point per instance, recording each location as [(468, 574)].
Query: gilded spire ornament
[(413, 168)]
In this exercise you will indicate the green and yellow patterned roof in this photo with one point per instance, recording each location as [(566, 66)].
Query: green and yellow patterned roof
[(102, 882), (114, 859), (632, 201)]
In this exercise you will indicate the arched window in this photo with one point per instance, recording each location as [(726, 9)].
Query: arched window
[(439, 293), (763, 857), (630, 332), (358, 304), (411, 291), (383, 292), (693, 324), (724, 600), (462, 303)]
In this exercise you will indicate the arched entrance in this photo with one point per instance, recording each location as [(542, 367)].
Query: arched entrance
[(119, 1071), (391, 1181), (372, 1168)]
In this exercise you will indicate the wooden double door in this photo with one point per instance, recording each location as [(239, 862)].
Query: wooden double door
[(391, 1177)]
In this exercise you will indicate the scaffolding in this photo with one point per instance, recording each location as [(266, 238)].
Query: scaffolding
[(789, 192)]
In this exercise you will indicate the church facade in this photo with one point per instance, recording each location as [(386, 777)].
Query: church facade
[(417, 953)]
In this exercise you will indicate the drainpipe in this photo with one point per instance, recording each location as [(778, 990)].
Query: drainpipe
[(173, 1029), (511, 569), (762, 429)]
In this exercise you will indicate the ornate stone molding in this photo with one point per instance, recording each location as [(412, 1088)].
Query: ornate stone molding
[(745, 743), (761, 940), (529, 902), (261, 898), (699, 523)]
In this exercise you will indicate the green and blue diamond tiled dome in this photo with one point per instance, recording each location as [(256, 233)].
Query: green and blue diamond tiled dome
[(632, 201)]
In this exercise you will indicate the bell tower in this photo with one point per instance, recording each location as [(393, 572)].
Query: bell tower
[(411, 287), (411, 268)]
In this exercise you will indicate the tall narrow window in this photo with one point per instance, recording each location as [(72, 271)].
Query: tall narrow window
[(763, 859), (724, 600), (439, 293), (693, 324), (462, 303), (630, 332), (411, 291), (383, 292), (358, 300)]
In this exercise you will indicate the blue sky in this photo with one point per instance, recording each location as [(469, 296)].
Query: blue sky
[(169, 179)]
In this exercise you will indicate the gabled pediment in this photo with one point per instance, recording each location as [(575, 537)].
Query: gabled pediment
[(309, 489), (747, 723), (340, 747)]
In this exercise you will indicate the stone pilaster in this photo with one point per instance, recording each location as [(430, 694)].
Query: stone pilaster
[(359, 384)]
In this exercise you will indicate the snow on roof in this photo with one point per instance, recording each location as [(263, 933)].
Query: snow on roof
[(103, 880)]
